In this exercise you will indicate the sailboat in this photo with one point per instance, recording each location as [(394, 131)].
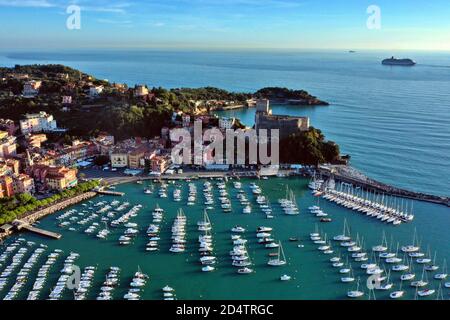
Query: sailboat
[(355, 293), (387, 285), (343, 236), (397, 294), (280, 260), (421, 282), (412, 247), (383, 246), (408, 276), (425, 260), (443, 275), (433, 266), (204, 225), (350, 278), (426, 292)]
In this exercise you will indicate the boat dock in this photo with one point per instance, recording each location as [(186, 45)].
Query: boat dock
[(352, 176), (111, 193), (22, 225)]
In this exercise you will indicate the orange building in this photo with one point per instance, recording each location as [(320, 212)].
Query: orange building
[(23, 183), (7, 185), (60, 178), (160, 163), (55, 178)]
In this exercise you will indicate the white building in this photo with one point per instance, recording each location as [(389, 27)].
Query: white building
[(95, 91), (7, 144), (140, 91), (31, 88), (119, 160), (263, 105), (186, 120), (38, 122), (67, 100), (226, 123)]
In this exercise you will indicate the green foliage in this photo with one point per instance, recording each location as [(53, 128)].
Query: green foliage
[(277, 93), (41, 71), (309, 148), (209, 93), (17, 206)]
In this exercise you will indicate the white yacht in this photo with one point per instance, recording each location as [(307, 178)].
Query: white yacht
[(280, 260)]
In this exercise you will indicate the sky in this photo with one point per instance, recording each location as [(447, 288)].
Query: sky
[(210, 24)]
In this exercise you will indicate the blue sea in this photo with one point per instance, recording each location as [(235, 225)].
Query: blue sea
[(393, 121)]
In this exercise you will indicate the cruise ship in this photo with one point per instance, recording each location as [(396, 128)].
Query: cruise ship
[(398, 62)]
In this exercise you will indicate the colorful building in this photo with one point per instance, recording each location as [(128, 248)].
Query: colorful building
[(226, 123), (38, 122), (8, 145), (160, 164), (8, 126), (119, 159), (140, 91), (54, 177), (6, 186), (61, 178), (31, 88), (23, 183)]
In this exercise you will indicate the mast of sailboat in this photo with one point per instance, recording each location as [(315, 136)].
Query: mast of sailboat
[(282, 252), (440, 295)]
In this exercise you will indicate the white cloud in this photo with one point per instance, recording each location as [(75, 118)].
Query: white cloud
[(111, 21), (27, 3)]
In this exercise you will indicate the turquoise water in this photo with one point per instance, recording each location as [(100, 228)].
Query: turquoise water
[(313, 275), (395, 122)]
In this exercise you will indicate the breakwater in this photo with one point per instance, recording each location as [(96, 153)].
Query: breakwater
[(350, 175), (32, 217)]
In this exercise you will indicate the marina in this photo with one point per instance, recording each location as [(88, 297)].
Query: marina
[(201, 241)]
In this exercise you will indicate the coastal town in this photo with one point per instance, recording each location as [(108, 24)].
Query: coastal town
[(41, 157)]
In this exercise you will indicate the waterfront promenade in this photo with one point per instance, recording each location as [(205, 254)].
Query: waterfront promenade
[(344, 173)]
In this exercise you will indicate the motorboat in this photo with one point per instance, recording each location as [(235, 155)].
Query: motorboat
[(285, 277), (238, 229), (245, 271), (208, 268)]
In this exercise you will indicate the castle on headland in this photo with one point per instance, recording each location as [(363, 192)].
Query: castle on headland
[(264, 119)]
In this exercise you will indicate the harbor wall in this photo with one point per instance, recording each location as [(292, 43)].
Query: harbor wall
[(376, 186), (32, 217)]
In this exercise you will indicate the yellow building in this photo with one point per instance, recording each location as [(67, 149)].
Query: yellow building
[(23, 183), (61, 178)]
